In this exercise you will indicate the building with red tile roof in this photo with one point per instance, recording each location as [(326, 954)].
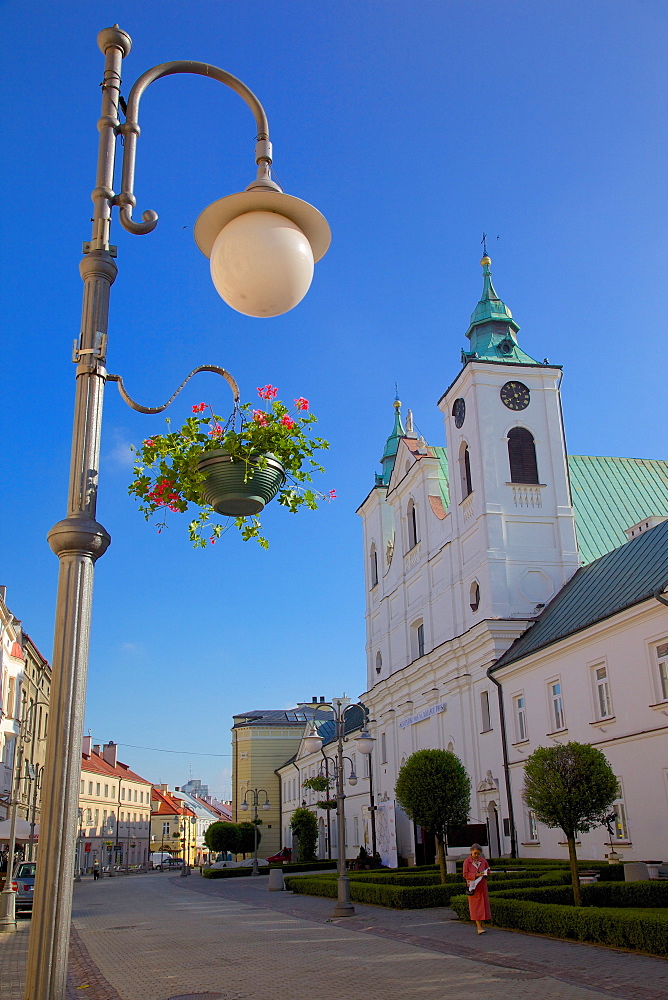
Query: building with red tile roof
[(114, 810), (173, 826)]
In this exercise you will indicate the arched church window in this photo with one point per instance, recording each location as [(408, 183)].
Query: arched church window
[(373, 559), (412, 525), (522, 456), (379, 663), (465, 471), (474, 597)]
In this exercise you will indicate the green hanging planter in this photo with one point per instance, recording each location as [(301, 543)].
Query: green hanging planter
[(226, 490)]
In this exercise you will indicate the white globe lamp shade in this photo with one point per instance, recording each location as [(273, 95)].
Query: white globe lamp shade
[(244, 806), (262, 264), (352, 780), (365, 742), (312, 742)]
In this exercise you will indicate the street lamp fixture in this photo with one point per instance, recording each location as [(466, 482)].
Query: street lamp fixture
[(312, 744), (255, 793), (262, 267)]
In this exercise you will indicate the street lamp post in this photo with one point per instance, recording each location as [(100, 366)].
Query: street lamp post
[(254, 224), (312, 744), (255, 792)]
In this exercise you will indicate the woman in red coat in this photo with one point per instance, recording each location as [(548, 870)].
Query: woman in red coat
[(476, 868)]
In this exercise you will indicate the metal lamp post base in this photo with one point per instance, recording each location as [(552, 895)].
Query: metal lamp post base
[(7, 908), (344, 910)]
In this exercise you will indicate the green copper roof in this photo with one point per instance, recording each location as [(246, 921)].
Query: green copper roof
[(612, 494), (391, 447), (442, 456), (629, 575), (493, 331)]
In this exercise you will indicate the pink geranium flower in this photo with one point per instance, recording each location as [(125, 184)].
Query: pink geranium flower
[(260, 417), (267, 392), (301, 403), (287, 421)]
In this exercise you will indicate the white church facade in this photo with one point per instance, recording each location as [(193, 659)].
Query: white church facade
[(499, 587)]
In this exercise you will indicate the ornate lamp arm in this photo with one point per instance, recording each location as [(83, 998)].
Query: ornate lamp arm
[(130, 130), (158, 409)]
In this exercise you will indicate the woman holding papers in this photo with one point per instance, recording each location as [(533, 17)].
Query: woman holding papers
[(475, 872)]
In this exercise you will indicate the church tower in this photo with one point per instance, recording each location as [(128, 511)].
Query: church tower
[(510, 497)]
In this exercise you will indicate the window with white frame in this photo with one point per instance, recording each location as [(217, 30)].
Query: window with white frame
[(520, 715), (602, 700), (558, 719), (417, 639), (620, 824), (662, 670), (97, 788), (379, 662), (484, 712), (532, 826)]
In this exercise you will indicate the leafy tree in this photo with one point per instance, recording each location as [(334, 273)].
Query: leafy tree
[(305, 827), (222, 837), (247, 837), (570, 787), (435, 791)]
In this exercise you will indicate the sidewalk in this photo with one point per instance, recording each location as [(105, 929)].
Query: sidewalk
[(162, 937)]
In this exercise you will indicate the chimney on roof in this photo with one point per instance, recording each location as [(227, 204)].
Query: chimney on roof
[(96, 749), (322, 698), (87, 745), (109, 753)]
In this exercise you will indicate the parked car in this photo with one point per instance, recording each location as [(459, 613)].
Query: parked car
[(168, 863), (23, 885), (284, 856), (158, 857)]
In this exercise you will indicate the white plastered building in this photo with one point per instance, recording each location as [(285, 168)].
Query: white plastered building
[(468, 548)]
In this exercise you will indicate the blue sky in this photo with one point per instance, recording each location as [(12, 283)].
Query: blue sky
[(413, 126)]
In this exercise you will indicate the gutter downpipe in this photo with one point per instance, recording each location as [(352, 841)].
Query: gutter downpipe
[(506, 767)]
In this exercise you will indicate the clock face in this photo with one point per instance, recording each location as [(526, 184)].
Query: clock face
[(515, 396), (459, 411)]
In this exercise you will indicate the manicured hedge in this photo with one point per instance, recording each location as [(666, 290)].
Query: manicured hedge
[(603, 925), (306, 866), (653, 893)]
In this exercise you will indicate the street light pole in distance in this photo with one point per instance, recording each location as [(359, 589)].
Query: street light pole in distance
[(255, 792), (279, 259), (313, 744)]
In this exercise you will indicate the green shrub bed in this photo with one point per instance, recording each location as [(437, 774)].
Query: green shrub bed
[(645, 930), (306, 866)]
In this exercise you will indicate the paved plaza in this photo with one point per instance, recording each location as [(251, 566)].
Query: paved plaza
[(159, 936)]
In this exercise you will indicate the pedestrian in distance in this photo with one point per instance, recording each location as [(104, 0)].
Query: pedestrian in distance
[(475, 871), (96, 871)]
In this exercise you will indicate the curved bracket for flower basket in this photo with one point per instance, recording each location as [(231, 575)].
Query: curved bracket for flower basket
[(216, 369)]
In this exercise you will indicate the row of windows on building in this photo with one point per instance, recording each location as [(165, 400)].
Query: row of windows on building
[(126, 793), (91, 817), (601, 696), (293, 788)]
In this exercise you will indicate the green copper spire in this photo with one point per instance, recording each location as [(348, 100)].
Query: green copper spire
[(493, 331), (391, 447)]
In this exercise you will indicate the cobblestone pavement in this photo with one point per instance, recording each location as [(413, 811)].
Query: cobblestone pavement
[(158, 937)]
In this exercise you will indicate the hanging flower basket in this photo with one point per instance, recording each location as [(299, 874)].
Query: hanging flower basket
[(233, 469), (237, 488)]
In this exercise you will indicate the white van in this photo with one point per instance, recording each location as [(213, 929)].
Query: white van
[(157, 859)]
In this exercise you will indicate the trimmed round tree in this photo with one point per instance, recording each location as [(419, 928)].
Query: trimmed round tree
[(304, 825), (434, 790), (247, 836), (570, 787), (222, 837)]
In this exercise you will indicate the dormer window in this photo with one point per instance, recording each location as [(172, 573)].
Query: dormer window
[(522, 456)]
